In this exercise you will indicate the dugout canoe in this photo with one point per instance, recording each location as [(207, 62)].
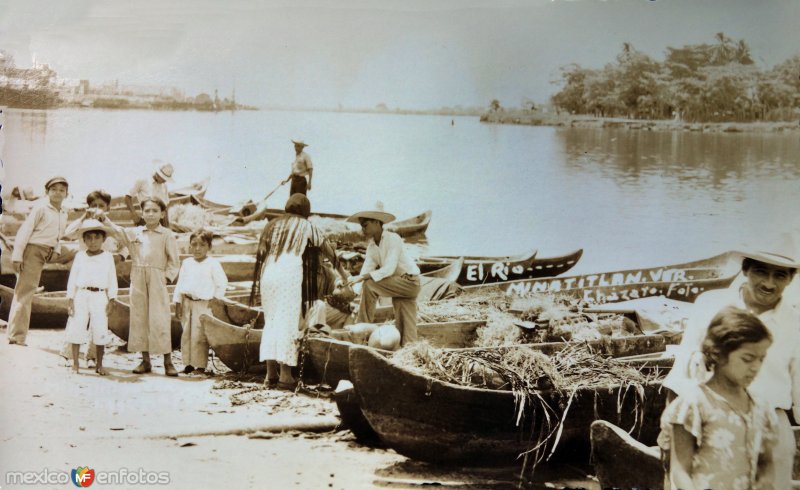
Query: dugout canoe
[(416, 225), (491, 270), (621, 461), (55, 276), (634, 283), (328, 357), (433, 421), (119, 319)]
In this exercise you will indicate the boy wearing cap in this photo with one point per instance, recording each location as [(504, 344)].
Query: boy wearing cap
[(387, 271), (777, 384), (154, 186), (37, 242), (92, 284)]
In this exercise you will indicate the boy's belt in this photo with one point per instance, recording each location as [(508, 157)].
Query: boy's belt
[(93, 289), (192, 298)]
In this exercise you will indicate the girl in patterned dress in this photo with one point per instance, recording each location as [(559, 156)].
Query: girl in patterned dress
[(716, 436)]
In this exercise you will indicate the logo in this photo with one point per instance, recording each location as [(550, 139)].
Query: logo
[(82, 476)]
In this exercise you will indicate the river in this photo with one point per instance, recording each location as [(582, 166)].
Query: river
[(628, 198)]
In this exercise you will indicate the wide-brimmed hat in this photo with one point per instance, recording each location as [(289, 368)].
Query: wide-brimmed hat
[(299, 142), (54, 181), (377, 213), (91, 225), (165, 171), (782, 252)]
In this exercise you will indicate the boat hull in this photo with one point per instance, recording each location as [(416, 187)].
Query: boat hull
[(438, 422)]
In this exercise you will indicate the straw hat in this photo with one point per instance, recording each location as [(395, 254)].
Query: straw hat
[(300, 143), (377, 213), (165, 171), (781, 253), (91, 225)]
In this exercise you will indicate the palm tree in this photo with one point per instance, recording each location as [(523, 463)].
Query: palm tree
[(743, 53), (723, 52)]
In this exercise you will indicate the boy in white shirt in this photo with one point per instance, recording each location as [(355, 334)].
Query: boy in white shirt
[(92, 284), (201, 279)]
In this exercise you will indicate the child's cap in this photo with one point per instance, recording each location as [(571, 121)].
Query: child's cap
[(92, 225), (54, 181)]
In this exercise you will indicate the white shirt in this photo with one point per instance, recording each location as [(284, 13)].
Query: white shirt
[(388, 259), (302, 164), (144, 188), (44, 226), (96, 271), (201, 280), (778, 381)]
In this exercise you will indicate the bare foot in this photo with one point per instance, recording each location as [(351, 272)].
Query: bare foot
[(75, 369), (101, 371)]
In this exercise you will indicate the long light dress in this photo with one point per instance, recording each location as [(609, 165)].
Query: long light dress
[(731, 446), (281, 287)]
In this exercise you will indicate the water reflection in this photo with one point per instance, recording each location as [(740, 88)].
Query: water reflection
[(695, 160)]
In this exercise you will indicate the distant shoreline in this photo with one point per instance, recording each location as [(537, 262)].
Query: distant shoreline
[(582, 121)]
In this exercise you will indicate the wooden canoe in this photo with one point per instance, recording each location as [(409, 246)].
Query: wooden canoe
[(55, 276), (626, 282), (621, 461), (491, 270), (328, 357), (416, 225), (237, 346), (430, 420), (119, 319), (223, 245), (47, 309)]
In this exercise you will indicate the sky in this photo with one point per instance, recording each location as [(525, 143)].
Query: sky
[(359, 53)]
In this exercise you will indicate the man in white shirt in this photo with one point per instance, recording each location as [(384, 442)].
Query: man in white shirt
[(387, 271), (154, 186), (766, 274), (302, 170)]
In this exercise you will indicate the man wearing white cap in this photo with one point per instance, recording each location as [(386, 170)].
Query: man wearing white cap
[(766, 276), (153, 186), (387, 271), (302, 170)]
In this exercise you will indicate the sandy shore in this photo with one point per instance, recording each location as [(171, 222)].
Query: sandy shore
[(203, 432)]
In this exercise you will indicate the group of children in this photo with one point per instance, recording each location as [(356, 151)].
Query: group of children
[(92, 283)]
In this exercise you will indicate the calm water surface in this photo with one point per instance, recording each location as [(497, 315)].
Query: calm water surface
[(628, 198)]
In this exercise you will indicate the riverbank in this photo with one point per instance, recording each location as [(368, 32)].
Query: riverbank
[(537, 118), (201, 432)]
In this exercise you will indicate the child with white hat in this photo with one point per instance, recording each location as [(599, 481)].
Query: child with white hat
[(92, 284)]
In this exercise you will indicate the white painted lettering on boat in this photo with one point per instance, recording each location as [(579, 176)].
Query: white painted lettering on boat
[(499, 269)]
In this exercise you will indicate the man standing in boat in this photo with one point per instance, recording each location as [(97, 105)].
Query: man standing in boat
[(302, 170), (387, 271), (766, 276), (153, 186)]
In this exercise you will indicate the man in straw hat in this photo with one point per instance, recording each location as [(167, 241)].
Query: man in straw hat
[(387, 271), (766, 276), (302, 170), (152, 186)]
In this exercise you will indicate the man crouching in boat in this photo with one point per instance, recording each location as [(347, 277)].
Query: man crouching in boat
[(766, 276), (387, 271)]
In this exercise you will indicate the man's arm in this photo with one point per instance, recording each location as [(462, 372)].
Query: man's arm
[(136, 217)]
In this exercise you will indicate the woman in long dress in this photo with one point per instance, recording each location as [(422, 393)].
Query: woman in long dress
[(286, 277)]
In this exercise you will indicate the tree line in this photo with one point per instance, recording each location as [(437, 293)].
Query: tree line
[(695, 83)]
